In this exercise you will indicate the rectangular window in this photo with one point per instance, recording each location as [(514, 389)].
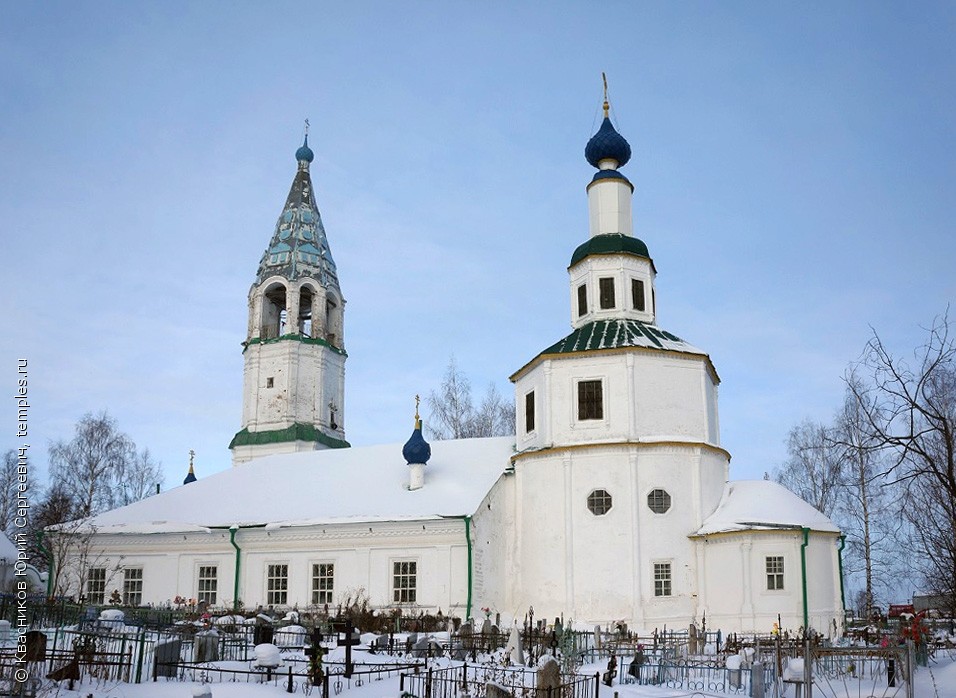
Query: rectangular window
[(133, 586), (404, 581), (323, 576), (775, 573), (590, 400), (529, 412), (582, 300), (277, 585), (637, 294), (606, 286), (96, 586), (662, 579), (208, 584)]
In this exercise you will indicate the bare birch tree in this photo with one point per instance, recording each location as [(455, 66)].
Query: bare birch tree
[(452, 414), (814, 467), (99, 468), (910, 411)]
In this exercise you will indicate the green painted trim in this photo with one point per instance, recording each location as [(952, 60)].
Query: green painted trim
[(296, 432), (840, 561), (49, 564), (235, 583), (468, 540), (803, 569), (292, 337)]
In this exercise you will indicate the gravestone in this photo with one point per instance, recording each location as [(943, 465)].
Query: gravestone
[(262, 634), (465, 634), (4, 631), (381, 642), (166, 656), (291, 636), (734, 673), (486, 627), (493, 690), (206, 646), (420, 647), (597, 637), (692, 639), (513, 649), (548, 676), (757, 688), (36, 646)]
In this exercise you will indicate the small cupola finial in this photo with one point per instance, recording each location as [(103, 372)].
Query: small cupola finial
[(191, 476), (607, 148), (416, 452), (304, 154)]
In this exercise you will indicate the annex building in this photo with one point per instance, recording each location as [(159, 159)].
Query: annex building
[(613, 502)]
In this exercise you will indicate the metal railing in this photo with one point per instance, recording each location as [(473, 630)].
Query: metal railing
[(472, 680)]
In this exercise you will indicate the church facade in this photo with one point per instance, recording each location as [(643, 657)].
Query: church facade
[(611, 503)]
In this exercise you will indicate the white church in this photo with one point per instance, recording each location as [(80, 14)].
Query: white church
[(612, 503)]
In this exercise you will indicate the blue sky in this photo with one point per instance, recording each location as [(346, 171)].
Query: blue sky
[(794, 170)]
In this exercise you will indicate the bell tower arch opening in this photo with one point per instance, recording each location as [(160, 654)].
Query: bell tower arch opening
[(273, 319)]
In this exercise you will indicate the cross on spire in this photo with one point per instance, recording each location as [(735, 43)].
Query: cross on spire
[(607, 106)]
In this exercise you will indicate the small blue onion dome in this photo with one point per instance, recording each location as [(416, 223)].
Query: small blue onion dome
[(607, 144), (305, 153), (191, 477), (416, 449)]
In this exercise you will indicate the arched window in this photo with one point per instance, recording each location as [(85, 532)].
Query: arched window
[(273, 312), (305, 311)]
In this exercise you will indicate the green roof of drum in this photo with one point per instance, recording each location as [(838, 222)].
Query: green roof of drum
[(614, 334), (610, 243)]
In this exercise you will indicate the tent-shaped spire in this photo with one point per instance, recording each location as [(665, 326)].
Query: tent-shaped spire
[(299, 247)]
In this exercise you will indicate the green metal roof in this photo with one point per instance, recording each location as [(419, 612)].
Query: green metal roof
[(615, 334), (610, 243), (296, 432)]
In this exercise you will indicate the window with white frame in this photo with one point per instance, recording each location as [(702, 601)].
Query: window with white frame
[(662, 579), (606, 288), (133, 586), (658, 501), (774, 572), (590, 400), (96, 585), (404, 581), (637, 294), (277, 584), (529, 412), (323, 578), (208, 584), (599, 502)]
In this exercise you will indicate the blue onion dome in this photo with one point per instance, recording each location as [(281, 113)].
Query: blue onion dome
[(416, 449), (607, 144), (304, 153), (191, 476)]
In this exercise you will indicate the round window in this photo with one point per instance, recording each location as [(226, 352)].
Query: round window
[(599, 502), (659, 501)]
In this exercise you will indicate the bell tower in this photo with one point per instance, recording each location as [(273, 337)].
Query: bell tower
[(293, 396)]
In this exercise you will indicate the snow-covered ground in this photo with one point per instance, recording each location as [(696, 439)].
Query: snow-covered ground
[(936, 681)]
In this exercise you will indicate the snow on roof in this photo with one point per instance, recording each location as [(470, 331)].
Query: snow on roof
[(748, 505), (345, 485), (8, 551)]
